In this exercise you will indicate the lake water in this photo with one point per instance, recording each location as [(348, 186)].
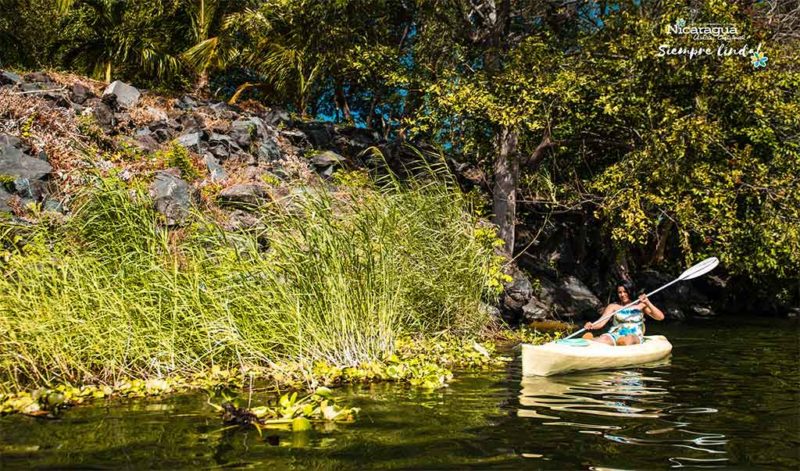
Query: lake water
[(729, 397)]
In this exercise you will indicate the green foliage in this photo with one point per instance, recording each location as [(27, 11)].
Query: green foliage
[(111, 293), (179, 157)]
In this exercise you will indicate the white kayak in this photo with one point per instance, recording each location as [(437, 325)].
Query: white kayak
[(563, 356)]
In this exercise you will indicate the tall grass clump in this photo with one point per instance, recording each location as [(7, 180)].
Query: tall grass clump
[(111, 293)]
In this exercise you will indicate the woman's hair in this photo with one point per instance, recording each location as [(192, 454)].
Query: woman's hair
[(629, 287)]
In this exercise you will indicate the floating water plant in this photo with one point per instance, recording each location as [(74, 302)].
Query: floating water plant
[(288, 411)]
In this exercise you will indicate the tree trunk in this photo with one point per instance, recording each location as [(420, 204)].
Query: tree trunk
[(108, 72), (504, 198), (341, 101), (661, 244), (201, 87)]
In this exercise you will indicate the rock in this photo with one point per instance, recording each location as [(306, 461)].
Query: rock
[(147, 142), (102, 113), (80, 93), (9, 78), (674, 314), (12, 141), (516, 294), (326, 159), (216, 170), (243, 195), (191, 140), (582, 298), (40, 77), (268, 151), (126, 95), (186, 103), (319, 133), (535, 311), (4, 198), (157, 114), (793, 313), (703, 311), (245, 130), (569, 298), (172, 197), (16, 164), (296, 137)]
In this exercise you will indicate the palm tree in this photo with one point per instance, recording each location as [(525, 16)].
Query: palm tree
[(114, 37)]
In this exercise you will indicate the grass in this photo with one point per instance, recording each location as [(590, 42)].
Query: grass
[(110, 294)]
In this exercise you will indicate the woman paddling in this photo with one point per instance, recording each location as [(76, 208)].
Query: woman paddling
[(628, 327)]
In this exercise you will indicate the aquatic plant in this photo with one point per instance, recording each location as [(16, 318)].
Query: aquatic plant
[(287, 411)]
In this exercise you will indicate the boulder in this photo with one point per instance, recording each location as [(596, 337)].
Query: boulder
[(9, 78), (569, 297), (536, 311), (4, 198), (191, 140), (326, 159), (215, 170), (126, 95), (102, 113), (243, 195), (268, 151), (246, 130), (80, 93), (40, 77), (516, 294), (13, 162), (172, 197)]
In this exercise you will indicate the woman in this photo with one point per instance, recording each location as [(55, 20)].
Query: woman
[(628, 328)]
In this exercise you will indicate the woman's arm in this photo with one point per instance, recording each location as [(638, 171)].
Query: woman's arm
[(650, 309), (608, 310)]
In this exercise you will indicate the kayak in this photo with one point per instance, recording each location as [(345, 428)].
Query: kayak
[(563, 356)]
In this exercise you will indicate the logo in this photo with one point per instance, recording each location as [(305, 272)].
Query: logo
[(720, 33), (705, 31)]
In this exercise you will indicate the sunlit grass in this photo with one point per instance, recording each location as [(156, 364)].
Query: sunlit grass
[(112, 294)]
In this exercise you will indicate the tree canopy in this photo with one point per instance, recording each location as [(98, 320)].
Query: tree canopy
[(569, 102)]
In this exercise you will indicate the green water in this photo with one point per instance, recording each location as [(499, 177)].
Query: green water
[(728, 398)]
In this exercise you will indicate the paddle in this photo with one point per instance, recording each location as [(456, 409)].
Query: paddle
[(698, 269)]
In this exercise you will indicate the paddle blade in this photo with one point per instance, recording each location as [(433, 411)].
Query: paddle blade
[(700, 269)]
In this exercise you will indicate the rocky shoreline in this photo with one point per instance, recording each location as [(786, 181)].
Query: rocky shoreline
[(56, 127)]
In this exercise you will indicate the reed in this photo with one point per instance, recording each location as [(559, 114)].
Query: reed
[(112, 294)]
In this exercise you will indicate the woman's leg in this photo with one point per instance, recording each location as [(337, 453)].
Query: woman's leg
[(605, 338), (628, 340)]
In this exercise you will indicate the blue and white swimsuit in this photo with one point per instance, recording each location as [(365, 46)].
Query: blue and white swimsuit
[(628, 321)]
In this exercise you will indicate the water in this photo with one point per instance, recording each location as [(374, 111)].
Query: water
[(728, 398)]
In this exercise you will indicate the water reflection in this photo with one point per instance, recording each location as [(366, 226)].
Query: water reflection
[(633, 407)]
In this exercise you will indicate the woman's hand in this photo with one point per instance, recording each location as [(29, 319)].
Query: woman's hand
[(643, 299), (589, 326)]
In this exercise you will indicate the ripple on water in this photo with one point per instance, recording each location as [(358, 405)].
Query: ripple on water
[(631, 408)]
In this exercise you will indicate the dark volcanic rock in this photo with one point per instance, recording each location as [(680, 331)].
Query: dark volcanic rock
[(80, 93), (569, 298), (4, 197), (516, 294), (126, 95), (215, 170), (9, 78), (191, 140), (326, 159), (15, 163), (268, 151), (172, 197), (243, 195)]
